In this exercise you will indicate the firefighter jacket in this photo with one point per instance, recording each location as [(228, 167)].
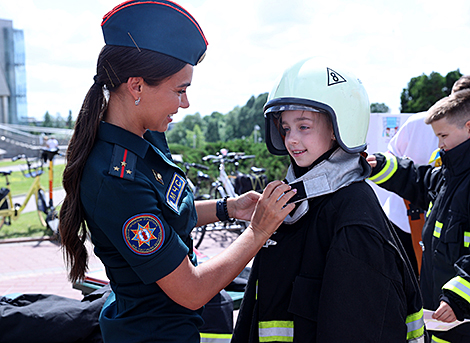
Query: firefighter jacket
[(336, 274), (445, 193)]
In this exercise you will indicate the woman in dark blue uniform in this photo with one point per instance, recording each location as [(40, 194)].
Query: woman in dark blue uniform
[(125, 191)]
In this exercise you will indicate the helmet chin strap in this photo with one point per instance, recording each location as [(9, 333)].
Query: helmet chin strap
[(325, 178)]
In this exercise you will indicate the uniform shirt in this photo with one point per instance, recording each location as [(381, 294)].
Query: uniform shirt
[(140, 213)]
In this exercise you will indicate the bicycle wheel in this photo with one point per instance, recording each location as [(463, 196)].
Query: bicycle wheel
[(198, 235), (41, 207)]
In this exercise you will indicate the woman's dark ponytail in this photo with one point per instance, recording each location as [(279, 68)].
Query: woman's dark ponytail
[(115, 65)]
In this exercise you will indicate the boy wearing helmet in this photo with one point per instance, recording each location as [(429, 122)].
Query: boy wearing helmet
[(333, 271), (444, 192)]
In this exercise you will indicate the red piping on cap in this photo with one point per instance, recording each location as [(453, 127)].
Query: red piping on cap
[(185, 13)]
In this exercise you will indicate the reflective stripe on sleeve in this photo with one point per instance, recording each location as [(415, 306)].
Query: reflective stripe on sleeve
[(415, 325), (416, 340), (429, 210), (388, 170), (437, 229), (466, 239), (459, 286), (215, 337), (276, 331), (438, 340)]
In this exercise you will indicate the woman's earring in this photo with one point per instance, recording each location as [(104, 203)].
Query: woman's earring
[(137, 102)]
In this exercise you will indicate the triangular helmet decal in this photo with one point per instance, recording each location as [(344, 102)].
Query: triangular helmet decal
[(334, 77)]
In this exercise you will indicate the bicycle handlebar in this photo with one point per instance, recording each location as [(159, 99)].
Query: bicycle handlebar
[(199, 166), (231, 157), (18, 157), (188, 165)]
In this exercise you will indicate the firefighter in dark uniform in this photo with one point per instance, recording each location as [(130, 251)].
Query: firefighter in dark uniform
[(334, 271), (125, 192), (444, 193)]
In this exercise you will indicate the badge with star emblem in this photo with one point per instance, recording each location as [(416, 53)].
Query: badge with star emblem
[(144, 234)]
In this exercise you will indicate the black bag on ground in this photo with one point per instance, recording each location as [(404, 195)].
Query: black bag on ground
[(50, 318)]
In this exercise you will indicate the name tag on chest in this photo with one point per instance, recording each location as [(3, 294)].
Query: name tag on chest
[(175, 191)]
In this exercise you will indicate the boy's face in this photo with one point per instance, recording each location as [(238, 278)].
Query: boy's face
[(450, 135), (308, 135)]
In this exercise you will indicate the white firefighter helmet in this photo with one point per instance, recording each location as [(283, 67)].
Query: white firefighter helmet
[(326, 88)]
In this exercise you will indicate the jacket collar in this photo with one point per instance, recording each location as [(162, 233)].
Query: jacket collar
[(456, 161), (338, 171), (117, 135), (152, 139)]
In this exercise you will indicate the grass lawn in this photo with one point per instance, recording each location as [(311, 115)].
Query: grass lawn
[(19, 184), (27, 224)]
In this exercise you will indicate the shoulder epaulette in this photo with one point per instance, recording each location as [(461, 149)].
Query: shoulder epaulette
[(123, 163)]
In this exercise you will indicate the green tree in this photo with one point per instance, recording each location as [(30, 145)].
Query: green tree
[(48, 122), (376, 107), (240, 122), (215, 127), (195, 137), (59, 121), (178, 132), (423, 91), (69, 123)]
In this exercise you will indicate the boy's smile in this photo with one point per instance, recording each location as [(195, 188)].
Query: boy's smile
[(450, 135), (308, 135)]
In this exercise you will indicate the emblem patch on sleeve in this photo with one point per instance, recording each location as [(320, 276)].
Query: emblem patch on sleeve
[(144, 234), (175, 189)]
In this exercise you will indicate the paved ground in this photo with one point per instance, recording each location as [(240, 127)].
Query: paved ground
[(38, 266)]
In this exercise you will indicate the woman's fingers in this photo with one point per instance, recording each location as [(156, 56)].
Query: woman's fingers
[(272, 207)]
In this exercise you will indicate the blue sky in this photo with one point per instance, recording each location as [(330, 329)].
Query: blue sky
[(384, 43)]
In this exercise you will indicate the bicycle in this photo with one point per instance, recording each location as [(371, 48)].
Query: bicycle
[(11, 211), (224, 186), (199, 231), (201, 177)]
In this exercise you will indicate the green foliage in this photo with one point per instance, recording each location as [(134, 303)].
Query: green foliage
[(195, 137), (69, 124), (376, 107), (238, 123), (215, 127), (20, 184), (26, 225), (48, 122), (276, 166), (423, 91), (58, 121)]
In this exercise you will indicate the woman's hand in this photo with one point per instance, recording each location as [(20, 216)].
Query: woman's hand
[(272, 208), (192, 287), (444, 313), (372, 160), (243, 206)]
